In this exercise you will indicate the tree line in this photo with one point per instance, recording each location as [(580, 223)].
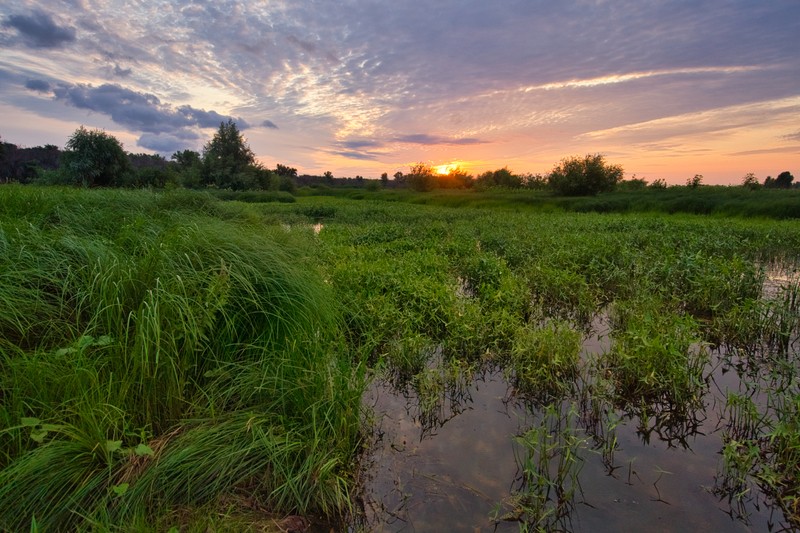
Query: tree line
[(95, 158)]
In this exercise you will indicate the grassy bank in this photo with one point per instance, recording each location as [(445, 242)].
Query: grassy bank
[(164, 352)]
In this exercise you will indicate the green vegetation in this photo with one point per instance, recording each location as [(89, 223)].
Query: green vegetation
[(163, 352), (170, 356), (587, 176), (94, 158)]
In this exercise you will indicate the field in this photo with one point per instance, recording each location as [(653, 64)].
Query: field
[(178, 360)]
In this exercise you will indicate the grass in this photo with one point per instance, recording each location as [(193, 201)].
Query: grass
[(170, 323), (178, 351)]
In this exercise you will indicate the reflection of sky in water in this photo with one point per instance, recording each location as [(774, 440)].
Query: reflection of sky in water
[(451, 477)]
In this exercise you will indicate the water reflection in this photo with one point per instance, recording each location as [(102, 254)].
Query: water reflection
[(458, 449)]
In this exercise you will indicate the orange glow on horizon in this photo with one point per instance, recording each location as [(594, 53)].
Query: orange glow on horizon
[(448, 168)]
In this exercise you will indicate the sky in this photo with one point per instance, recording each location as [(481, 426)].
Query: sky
[(665, 88)]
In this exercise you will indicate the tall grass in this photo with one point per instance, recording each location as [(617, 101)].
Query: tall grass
[(174, 323)]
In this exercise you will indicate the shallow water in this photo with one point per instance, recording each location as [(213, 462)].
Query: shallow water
[(450, 479), (451, 475)]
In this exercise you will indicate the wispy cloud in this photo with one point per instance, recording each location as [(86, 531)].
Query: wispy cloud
[(424, 138), (378, 83)]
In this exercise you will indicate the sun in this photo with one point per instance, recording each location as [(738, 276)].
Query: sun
[(445, 169)]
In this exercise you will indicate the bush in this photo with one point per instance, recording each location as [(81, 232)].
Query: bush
[(584, 176)]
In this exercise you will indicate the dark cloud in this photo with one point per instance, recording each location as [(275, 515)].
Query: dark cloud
[(269, 124), (165, 143), (139, 111), (792, 136), (209, 119), (357, 145), (39, 30), (423, 138), (40, 86)]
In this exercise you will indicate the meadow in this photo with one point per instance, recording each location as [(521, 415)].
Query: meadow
[(179, 360)]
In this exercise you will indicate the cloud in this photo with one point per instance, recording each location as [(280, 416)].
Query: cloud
[(121, 72), (356, 145), (39, 30), (269, 124), (163, 143), (779, 150), (792, 136), (423, 138), (209, 119), (39, 86), (137, 110), (363, 156)]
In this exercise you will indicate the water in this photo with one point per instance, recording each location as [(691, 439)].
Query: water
[(455, 473)]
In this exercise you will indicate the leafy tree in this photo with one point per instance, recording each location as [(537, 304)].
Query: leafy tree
[(189, 168), (783, 181), (659, 184), (749, 181), (695, 182), (328, 177), (94, 158), (501, 177), (228, 162), (584, 176), (385, 179), (187, 159), (534, 181), (633, 184), (456, 178), (421, 177), (285, 170)]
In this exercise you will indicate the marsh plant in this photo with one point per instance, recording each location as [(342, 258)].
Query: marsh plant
[(762, 447), (656, 355), (550, 460), (544, 359)]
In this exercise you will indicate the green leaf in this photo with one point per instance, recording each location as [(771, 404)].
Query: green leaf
[(30, 422), (143, 449), (103, 340), (86, 340), (38, 435), (113, 445), (120, 489)]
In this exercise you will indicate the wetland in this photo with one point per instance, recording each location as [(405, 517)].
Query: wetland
[(376, 365)]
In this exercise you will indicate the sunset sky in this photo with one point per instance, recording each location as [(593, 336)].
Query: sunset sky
[(667, 89)]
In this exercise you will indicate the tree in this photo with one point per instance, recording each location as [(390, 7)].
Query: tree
[(584, 176), (228, 162), (502, 177), (421, 177), (285, 171), (534, 181), (455, 178), (94, 158), (633, 184), (328, 177), (783, 181), (695, 182), (749, 181), (385, 179)]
